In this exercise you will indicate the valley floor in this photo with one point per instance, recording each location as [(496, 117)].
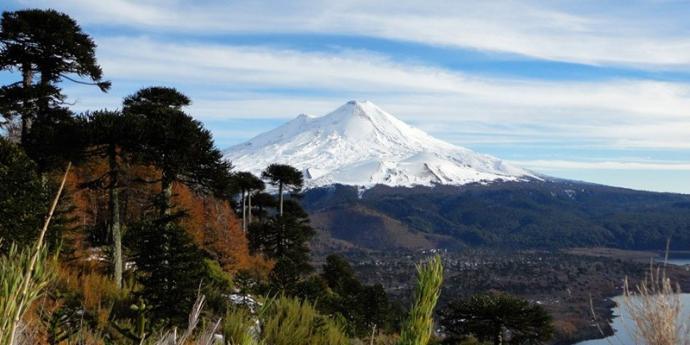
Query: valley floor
[(570, 284)]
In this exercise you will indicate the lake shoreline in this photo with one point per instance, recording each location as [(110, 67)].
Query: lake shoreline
[(622, 325)]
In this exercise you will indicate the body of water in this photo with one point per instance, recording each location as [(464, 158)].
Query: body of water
[(679, 262), (624, 326)]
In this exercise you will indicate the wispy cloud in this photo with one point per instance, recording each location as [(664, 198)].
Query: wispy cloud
[(549, 165), (228, 81), (638, 33)]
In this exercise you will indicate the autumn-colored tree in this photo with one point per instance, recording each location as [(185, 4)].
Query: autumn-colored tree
[(213, 225)]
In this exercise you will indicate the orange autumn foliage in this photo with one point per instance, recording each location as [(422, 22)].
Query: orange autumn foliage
[(88, 206), (211, 223), (214, 226)]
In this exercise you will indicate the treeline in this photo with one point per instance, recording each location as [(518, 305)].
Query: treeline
[(152, 221), (516, 215)]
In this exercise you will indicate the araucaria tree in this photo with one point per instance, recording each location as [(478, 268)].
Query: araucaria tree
[(248, 184), (115, 137), (179, 146), (22, 196), (285, 239), (498, 318), (170, 268), (45, 46), (365, 307), (284, 177)]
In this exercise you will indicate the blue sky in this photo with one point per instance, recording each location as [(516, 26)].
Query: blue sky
[(590, 90)]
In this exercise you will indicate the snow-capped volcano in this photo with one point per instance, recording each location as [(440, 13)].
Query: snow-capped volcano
[(359, 144)]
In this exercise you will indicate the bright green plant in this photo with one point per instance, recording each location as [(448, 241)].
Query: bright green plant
[(290, 321), (24, 274), (240, 327), (12, 280), (418, 327)]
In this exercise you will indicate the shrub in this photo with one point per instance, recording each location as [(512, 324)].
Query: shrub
[(240, 327), (290, 321)]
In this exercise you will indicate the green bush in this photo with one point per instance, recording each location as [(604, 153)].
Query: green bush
[(240, 327), (290, 321)]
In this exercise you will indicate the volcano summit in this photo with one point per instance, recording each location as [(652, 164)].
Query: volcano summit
[(359, 144)]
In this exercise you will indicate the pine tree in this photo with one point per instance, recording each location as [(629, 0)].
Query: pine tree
[(498, 318), (170, 268), (263, 202), (179, 146), (285, 239), (284, 177), (45, 46), (248, 185), (362, 306), (116, 138), (55, 138), (23, 199)]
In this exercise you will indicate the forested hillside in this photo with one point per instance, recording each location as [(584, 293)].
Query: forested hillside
[(538, 214)]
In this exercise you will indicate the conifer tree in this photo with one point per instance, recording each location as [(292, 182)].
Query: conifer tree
[(285, 239), (248, 184), (170, 268), (362, 306), (262, 201), (56, 137), (45, 46), (22, 197), (284, 177), (179, 146), (115, 137), (492, 317)]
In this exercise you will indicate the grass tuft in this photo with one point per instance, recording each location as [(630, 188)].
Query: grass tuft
[(418, 327)]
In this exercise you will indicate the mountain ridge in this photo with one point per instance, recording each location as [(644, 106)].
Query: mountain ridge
[(550, 214)]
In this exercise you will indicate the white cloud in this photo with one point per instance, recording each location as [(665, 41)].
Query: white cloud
[(228, 81), (652, 34), (548, 165)]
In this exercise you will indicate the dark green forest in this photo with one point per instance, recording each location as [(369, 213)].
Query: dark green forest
[(545, 214)]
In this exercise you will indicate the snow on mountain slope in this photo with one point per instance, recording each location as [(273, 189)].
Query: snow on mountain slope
[(360, 144)]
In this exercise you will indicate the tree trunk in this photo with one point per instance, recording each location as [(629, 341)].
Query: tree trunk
[(244, 211), (43, 100), (114, 206), (166, 195), (27, 78), (249, 208), (280, 197)]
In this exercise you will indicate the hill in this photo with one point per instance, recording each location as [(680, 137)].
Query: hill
[(544, 214)]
